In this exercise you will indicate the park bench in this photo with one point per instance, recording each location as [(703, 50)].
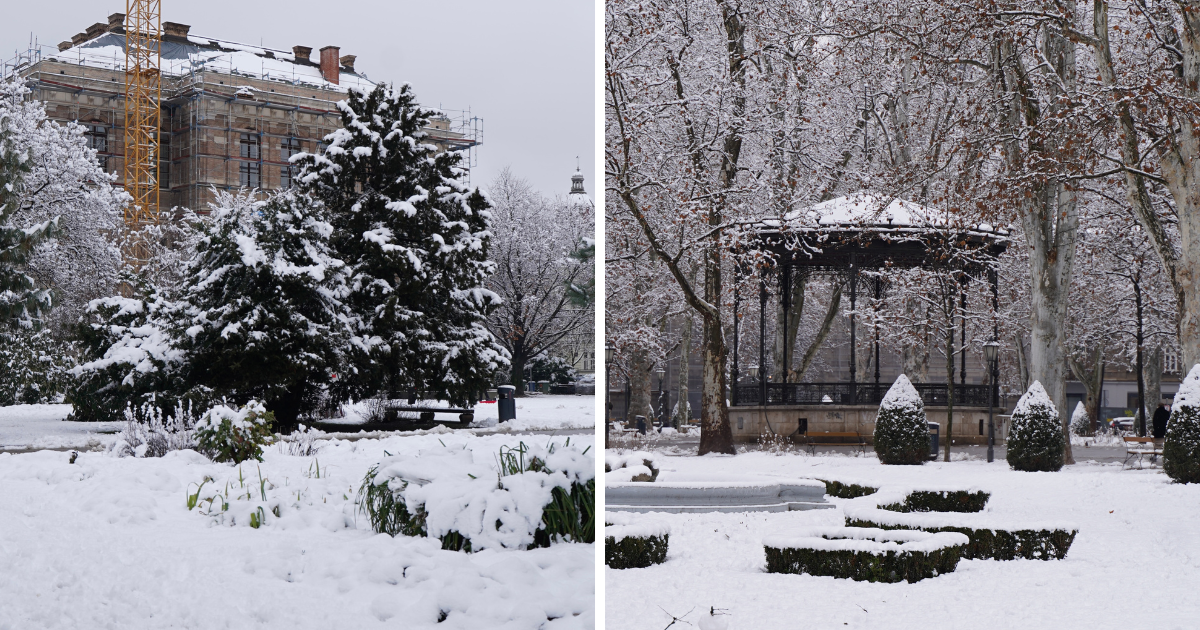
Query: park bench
[(1139, 447), (853, 438), (427, 413)]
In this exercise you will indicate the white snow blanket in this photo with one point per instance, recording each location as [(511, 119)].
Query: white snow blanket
[(869, 539), (108, 542)]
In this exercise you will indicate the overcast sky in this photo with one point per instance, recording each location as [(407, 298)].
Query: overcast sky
[(525, 67)]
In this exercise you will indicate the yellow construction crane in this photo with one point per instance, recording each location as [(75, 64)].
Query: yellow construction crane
[(143, 120)]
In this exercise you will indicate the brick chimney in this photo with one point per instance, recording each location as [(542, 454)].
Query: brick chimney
[(63, 46), (116, 23), (79, 38), (348, 62), (175, 30), (329, 64), (302, 53), (96, 30)]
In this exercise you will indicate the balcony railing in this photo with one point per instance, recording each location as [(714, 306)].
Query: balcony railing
[(933, 394)]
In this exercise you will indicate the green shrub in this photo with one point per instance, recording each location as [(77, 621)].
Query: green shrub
[(386, 510), (901, 429), (1036, 441), (1081, 423), (570, 516), (941, 501), (226, 435), (997, 544), (870, 566), (846, 490), (635, 552), (1181, 449)]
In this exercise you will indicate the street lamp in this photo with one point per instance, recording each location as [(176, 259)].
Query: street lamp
[(761, 388), (661, 373), (608, 357), (991, 350)]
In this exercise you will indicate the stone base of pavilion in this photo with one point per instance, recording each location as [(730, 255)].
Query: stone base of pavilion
[(749, 424)]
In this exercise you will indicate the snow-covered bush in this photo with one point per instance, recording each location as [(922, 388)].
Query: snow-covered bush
[(234, 435), (901, 429), (865, 554), (525, 497), (149, 432), (844, 490), (631, 466), (634, 544), (1036, 441), (1181, 448), (1081, 423), (128, 359), (34, 366), (941, 501)]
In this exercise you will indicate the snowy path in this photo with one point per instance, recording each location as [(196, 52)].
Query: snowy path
[(1134, 564), (110, 543), (33, 427)]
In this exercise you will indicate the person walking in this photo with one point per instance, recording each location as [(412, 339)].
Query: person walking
[(1161, 415)]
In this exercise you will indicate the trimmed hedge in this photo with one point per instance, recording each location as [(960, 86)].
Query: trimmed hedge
[(635, 552), (865, 566), (989, 544), (941, 501), (846, 490)]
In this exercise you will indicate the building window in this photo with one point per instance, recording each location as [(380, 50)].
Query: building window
[(250, 169), (589, 361), (1171, 362), (97, 138), (287, 148)]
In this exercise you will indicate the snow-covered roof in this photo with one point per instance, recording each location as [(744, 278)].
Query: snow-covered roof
[(870, 209), (201, 54)]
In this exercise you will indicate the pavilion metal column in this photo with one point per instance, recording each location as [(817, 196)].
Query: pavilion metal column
[(737, 301), (878, 295), (853, 337), (994, 277), (785, 294), (762, 336), (962, 372)]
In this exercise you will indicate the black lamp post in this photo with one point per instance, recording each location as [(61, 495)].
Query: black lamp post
[(661, 373), (608, 357), (990, 351), (753, 371)]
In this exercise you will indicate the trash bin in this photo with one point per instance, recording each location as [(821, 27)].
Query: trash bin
[(641, 424), (506, 402), (934, 431)]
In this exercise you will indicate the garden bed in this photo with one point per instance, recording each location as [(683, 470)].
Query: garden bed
[(635, 545), (990, 536), (865, 554)]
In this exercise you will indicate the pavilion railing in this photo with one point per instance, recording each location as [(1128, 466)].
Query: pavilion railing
[(933, 394)]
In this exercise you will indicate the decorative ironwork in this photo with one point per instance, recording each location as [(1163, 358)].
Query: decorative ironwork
[(933, 394)]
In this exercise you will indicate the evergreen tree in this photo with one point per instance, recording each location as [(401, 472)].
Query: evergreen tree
[(901, 429), (415, 241), (1081, 423), (1181, 448), (22, 303), (1035, 441), (261, 315), (33, 366)]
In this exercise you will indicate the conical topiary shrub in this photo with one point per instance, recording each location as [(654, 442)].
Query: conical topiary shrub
[(1181, 450), (1081, 423), (901, 432), (1036, 441)]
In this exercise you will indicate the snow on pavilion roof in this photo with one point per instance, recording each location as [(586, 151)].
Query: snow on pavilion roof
[(871, 230), (202, 54)]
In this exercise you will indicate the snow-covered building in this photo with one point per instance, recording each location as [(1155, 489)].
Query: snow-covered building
[(232, 114)]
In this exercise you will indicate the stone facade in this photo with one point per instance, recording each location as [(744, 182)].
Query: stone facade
[(749, 423)]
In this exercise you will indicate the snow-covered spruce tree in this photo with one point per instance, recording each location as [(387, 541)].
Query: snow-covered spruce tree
[(260, 315), (1081, 422), (901, 429), (1181, 449), (1036, 441), (415, 241), (128, 359), (32, 367)]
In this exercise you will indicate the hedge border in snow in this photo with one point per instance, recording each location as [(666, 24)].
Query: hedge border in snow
[(844, 490), (635, 546), (941, 501), (865, 554)]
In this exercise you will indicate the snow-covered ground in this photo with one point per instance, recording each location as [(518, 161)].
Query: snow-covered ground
[(109, 542), (1134, 564), (31, 427)]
